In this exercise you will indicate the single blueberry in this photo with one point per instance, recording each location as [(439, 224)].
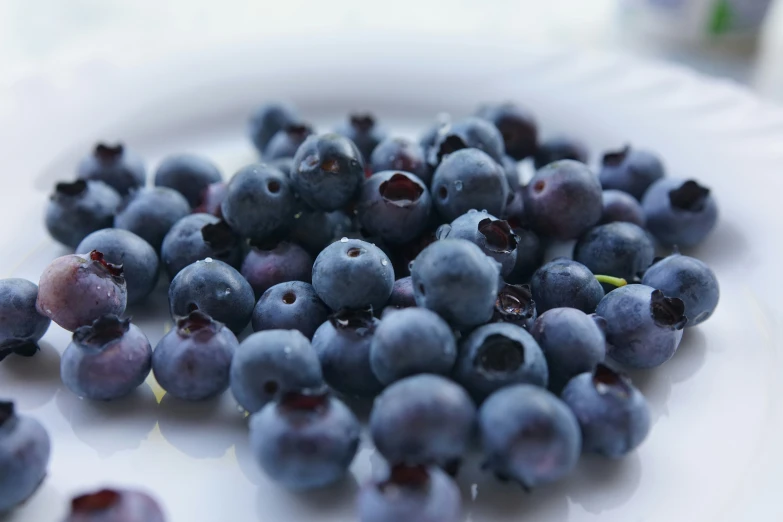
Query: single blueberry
[(565, 283), (293, 305), (475, 133), (151, 212), (109, 505), (79, 208), (679, 213), (264, 267), (115, 165), (621, 206), (364, 131), (630, 170), (517, 127), (617, 249), (401, 154), (394, 206), (287, 141), (21, 325), (188, 174), (196, 237), (212, 199), (268, 119), (559, 148), (492, 235), (515, 305)]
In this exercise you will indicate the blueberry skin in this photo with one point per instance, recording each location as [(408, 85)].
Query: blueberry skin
[(293, 305), (216, 289), (630, 170), (530, 256), (212, 199), (328, 172), (422, 420), (79, 208), (563, 200), (106, 360), (411, 341), (529, 435), (303, 442), (517, 127), (315, 230), (565, 283), (475, 133), (364, 131), (453, 278), (402, 294), (196, 237), (110, 505), (188, 174), (343, 345), (616, 249), (492, 235), (25, 448), (469, 179), (115, 165), (559, 148), (287, 141), (401, 154), (572, 341), (394, 206), (21, 326), (137, 257), (621, 206), (75, 290), (193, 360), (413, 494), (268, 119), (272, 363), (679, 213), (352, 273), (259, 202), (688, 279), (497, 355), (643, 327), (151, 212), (612, 413), (264, 268)]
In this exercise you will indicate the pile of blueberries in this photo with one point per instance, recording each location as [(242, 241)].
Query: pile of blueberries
[(379, 267)]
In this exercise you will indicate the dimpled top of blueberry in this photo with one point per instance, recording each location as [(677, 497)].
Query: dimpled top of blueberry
[(102, 331)]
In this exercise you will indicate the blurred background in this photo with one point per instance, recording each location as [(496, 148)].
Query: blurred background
[(741, 40)]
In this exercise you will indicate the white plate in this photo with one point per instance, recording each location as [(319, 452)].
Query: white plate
[(713, 453)]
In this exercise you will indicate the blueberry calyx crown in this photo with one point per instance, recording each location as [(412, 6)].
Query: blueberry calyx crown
[(499, 236), (108, 153), (352, 318), (615, 158), (690, 196), (499, 354), (197, 322), (219, 236), (305, 400), (667, 312), (450, 143), (23, 347), (112, 269), (7, 411), (407, 477), (400, 190), (70, 190), (606, 380), (95, 502), (515, 303), (363, 122), (102, 331)]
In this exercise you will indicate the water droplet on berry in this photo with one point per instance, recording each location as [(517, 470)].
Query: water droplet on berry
[(48, 311), (458, 185), (443, 231), (208, 260), (344, 240), (472, 211), (228, 291), (384, 262), (108, 294), (483, 211), (410, 265), (297, 215)]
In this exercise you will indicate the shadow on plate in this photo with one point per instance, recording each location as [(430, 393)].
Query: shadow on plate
[(333, 503), (726, 246), (111, 426), (599, 484), (31, 382)]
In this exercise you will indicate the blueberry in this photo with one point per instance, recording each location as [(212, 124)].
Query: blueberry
[(515, 305), (75, 290), (688, 279), (343, 346), (138, 259), (106, 360), (475, 133), (216, 289), (643, 326), (422, 420), (612, 412), (563, 200), (21, 326), (305, 441), (559, 148), (492, 235), (511, 170), (151, 212), (394, 206), (271, 363), (413, 494), (529, 435), (469, 179), (401, 154), (351, 273), (315, 230), (630, 170), (264, 267), (79, 208), (25, 448), (497, 355), (364, 131), (196, 237), (109, 505), (565, 283), (328, 171), (621, 206), (681, 213), (290, 306), (616, 249), (188, 174), (287, 141), (212, 199), (192, 361), (268, 119), (572, 341), (517, 127), (453, 278), (115, 165), (411, 341), (530, 255), (259, 202), (402, 293)]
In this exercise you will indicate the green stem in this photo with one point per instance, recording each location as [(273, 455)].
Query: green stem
[(616, 281)]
